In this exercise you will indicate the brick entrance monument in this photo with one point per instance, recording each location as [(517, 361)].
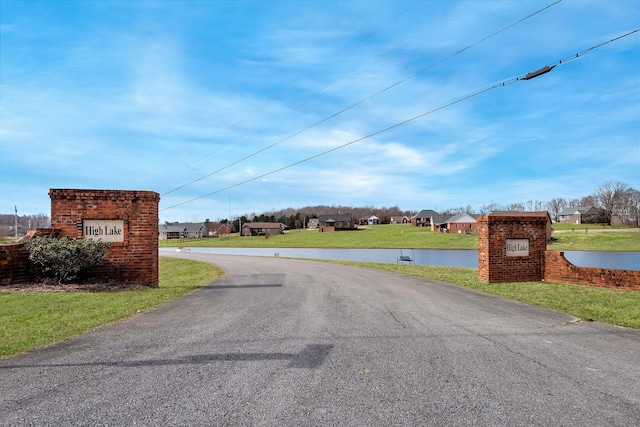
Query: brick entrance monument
[(512, 245), (126, 219)]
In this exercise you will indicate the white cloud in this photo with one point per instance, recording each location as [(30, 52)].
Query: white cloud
[(159, 95)]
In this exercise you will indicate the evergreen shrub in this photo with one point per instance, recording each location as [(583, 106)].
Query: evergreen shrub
[(64, 258)]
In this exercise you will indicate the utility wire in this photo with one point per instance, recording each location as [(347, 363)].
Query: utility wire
[(287, 90), (584, 52), (366, 99), (502, 84), (522, 77), (571, 58), (322, 92)]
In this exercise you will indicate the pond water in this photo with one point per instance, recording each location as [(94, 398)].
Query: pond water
[(614, 260), (443, 257)]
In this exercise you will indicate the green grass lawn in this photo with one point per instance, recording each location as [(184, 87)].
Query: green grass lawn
[(30, 320), (562, 226), (608, 306), (372, 237), (594, 241), (410, 237)]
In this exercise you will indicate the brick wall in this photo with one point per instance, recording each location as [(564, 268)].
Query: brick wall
[(558, 269), (135, 259), (15, 266), (494, 265), (460, 227)]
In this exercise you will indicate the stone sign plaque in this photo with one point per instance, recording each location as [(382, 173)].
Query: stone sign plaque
[(107, 230), (517, 247)]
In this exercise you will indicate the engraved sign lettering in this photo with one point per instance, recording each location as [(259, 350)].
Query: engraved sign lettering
[(517, 247), (107, 230)]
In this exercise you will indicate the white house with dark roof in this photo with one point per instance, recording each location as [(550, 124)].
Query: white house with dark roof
[(400, 220), (369, 220)]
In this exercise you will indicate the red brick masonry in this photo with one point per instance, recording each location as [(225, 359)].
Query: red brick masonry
[(15, 266), (494, 230), (135, 260), (495, 266), (558, 269)]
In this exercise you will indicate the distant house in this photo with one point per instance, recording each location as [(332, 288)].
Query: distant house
[(335, 222), (439, 221), (262, 228), (581, 215), (169, 231), (369, 220), (215, 229), (313, 223), (185, 230), (400, 220), (423, 218), (459, 223)]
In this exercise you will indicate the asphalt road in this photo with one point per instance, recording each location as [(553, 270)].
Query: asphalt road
[(298, 343)]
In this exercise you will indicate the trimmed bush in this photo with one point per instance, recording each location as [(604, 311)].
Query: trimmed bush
[(63, 259)]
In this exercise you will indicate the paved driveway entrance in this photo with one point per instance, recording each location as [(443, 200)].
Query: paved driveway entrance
[(288, 342)]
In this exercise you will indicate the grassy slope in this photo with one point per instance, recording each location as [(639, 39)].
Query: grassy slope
[(593, 241), (407, 236), (382, 236), (30, 320), (608, 306)]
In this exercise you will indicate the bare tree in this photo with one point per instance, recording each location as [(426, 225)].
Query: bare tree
[(631, 207), (535, 205), (518, 207), (555, 206), (573, 203), (610, 197), (491, 207)]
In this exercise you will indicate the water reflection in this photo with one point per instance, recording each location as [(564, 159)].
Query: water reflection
[(442, 257), (613, 260)]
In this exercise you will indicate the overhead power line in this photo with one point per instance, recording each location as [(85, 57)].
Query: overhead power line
[(366, 99), (548, 68), (522, 77), (306, 101), (289, 88), (322, 92), (343, 145)]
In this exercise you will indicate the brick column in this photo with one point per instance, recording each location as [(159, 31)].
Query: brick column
[(129, 219), (511, 246)]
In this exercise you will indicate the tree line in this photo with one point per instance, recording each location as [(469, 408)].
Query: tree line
[(618, 202), (299, 218), (7, 223)]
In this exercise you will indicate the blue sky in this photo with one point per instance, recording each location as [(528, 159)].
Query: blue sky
[(225, 107)]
